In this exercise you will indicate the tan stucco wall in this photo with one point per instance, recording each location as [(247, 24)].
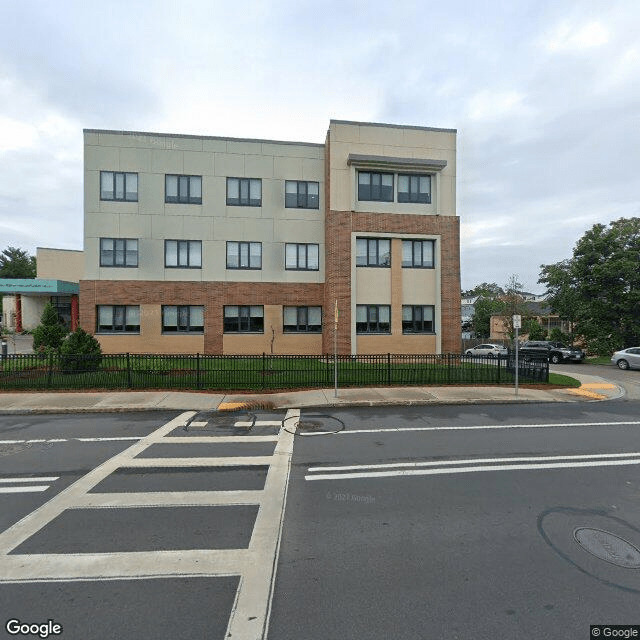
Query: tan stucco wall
[(151, 220), (393, 142), (59, 264), (398, 343)]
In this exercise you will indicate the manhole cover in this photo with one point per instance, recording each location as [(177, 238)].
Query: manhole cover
[(609, 547)]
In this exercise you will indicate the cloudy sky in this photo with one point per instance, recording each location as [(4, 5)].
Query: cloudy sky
[(545, 96)]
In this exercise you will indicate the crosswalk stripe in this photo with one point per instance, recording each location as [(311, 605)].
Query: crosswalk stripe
[(12, 480), (28, 489)]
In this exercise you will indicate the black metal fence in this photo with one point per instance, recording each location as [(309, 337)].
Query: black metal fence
[(259, 372)]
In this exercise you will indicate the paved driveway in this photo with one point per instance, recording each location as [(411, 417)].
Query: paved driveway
[(629, 380)]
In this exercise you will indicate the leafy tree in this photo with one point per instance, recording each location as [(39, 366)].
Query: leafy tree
[(514, 304), (599, 287), (80, 352), (16, 263), (49, 333), (533, 329), (484, 290), (484, 309)]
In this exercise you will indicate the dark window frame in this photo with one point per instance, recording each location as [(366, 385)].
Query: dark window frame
[(248, 246), (373, 257), (373, 323), (411, 196), (242, 323), (182, 308), (373, 192), (178, 265), (302, 320), (303, 200), (240, 201), (115, 309), (301, 248), (114, 176), (417, 322), (114, 251), (181, 197), (415, 252)]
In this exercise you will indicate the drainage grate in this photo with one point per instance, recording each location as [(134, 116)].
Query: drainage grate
[(608, 547)]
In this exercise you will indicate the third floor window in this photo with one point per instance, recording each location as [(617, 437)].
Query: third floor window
[(301, 257), (414, 188), (118, 186), (244, 192), (375, 186), (118, 252), (244, 255), (183, 189), (301, 195), (186, 254), (373, 252)]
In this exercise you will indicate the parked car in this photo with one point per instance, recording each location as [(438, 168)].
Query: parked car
[(554, 352), (486, 350), (627, 358)]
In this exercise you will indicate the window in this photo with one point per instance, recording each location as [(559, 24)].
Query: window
[(183, 189), (375, 186), (243, 319), (373, 252), (301, 257), (182, 319), (118, 252), (118, 319), (244, 255), (301, 195), (418, 319), (373, 318), (118, 186), (414, 188), (244, 192), (183, 254), (418, 254), (302, 319)]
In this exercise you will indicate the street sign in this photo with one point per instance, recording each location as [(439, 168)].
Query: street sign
[(517, 322)]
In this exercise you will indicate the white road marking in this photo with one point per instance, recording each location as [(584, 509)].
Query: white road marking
[(472, 461), (452, 470), (474, 427), (39, 441), (201, 462), (27, 489), (48, 479)]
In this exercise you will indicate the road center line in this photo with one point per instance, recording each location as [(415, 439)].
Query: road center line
[(452, 470), (475, 427), (472, 461)]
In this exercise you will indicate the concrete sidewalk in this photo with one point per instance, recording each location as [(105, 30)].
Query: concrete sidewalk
[(593, 389)]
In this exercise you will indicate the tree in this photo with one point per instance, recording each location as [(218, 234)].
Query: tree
[(600, 286), (484, 309), (80, 352), (484, 290), (49, 333), (514, 304), (533, 329), (16, 263)]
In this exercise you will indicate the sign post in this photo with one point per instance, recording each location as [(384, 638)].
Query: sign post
[(517, 324), (335, 350)]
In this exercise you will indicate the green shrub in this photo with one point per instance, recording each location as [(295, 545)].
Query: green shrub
[(80, 352), (49, 333)]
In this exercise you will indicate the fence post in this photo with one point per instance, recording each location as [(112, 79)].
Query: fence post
[(49, 370), (129, 382), (198, 370), (264, 368), (499, 366), (389, 369)]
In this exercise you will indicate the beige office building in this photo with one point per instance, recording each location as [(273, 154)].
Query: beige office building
[(197, 244)]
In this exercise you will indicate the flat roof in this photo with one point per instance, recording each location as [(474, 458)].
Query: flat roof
[(392, 126), (193, 136)]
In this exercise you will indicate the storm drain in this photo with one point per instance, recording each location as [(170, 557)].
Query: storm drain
[(608, 547)]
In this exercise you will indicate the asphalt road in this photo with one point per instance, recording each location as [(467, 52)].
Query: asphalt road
[(479, 543), (629, 380)]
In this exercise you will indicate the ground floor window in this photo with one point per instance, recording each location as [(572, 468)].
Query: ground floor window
[(182, 319), (118, 318), (373, 318), (302, 319), (418, 319), (243, 319)]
